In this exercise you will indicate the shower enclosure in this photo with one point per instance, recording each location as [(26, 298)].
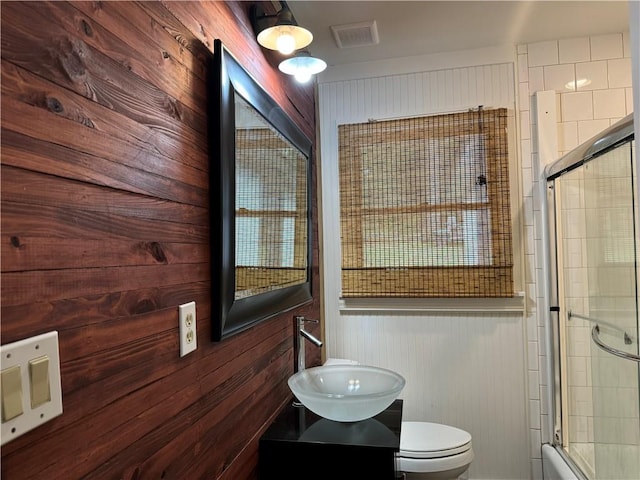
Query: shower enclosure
[(593, 243)]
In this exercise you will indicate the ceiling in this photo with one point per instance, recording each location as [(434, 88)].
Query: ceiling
[(407, 28)]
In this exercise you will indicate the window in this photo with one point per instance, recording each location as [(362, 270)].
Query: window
[(424, 207)]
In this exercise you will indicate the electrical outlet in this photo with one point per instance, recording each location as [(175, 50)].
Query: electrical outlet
[(187, 321)]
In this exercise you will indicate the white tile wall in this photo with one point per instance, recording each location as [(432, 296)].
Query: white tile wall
[(574, 50), (596, 73), (590, 128), (543, 53), (609, 103), (567, 136), (619, 72), (604, 62), (536, 79), (604, 47), (559, 77), (576, 106)]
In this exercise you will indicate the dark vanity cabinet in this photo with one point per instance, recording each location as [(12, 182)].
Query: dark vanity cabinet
[(303, 446)]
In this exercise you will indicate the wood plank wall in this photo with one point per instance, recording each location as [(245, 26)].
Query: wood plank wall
[(105, 231)]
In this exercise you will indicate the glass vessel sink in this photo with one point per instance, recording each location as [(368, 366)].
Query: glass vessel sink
[(346, 393)]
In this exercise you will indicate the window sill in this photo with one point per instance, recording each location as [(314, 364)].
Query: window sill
[(513, 304)]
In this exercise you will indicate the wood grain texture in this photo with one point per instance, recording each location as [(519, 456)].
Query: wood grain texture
[(105, 231)]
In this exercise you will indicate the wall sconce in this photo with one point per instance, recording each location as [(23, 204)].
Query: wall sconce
[(302, 66), (280, 31)]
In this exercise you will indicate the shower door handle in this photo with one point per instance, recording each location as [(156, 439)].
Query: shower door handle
[(595, 335)]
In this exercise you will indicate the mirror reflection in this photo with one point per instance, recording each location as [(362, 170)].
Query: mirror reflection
[(271, 208)]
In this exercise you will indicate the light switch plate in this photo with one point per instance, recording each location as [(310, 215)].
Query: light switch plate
[(187, 320), (20, 353)]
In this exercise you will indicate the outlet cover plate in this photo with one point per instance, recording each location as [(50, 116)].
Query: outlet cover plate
[(187, 320)]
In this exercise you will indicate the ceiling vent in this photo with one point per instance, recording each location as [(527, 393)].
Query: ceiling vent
[(356, 34)]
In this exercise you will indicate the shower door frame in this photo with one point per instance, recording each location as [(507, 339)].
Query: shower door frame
[(617, 135)]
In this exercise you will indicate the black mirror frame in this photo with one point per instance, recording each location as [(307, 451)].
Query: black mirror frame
[(228, 315)]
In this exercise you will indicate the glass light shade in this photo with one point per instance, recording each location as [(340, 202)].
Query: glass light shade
[(302, 67), (289, 37)]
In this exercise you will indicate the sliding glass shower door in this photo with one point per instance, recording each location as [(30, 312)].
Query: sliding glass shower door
[(597, 335)]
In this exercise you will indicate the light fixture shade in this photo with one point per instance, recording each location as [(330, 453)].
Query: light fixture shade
[(284, 35), (285, 38), (302, 67)]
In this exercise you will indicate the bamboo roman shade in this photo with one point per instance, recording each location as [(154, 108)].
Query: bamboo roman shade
[(424, 207), (271, 213)]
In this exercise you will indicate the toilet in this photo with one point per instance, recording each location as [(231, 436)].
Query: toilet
[(429, 451), (432, 451)]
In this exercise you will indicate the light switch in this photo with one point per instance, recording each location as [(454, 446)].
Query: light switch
[(11, 393), (39, 381), (31, 384)]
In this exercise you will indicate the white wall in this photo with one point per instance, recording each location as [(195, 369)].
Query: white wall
[(484, 372), (463, 368)]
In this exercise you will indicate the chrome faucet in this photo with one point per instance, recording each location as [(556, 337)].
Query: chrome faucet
[(298, 345)]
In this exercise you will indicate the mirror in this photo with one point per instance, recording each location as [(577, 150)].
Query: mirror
[(260, 203)]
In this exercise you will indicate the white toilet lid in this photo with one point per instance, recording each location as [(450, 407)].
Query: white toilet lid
[(432, 440)]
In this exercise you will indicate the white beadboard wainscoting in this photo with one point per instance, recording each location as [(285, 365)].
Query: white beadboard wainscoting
[(464, 367), (461, 370), (455, 81), (398, 96)]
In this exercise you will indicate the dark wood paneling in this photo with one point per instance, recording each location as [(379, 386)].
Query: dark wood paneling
[(105, 231)]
